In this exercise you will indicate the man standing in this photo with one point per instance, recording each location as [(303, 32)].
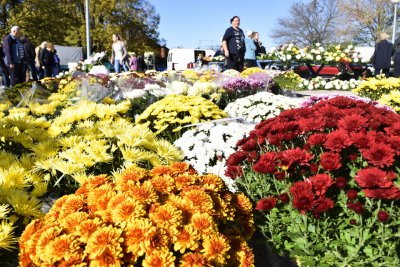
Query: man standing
[(14, 52), (234, 45)]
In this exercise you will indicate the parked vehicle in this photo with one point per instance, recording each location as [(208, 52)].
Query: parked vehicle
[(185, 58)]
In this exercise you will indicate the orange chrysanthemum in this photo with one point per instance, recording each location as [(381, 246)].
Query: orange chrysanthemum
[(92, 183), (167, 217), (201, 200), (116, 199), (183, 204), (160, 240), (144, 192), (124, 211), (194, 260), (158, 258), (61, 247), (164, 184), (222, 208), (215, 248), (72, 204), (212, 182), (131, 174), (73, 220), (105, 241), (184, 180), (87, 228), (245, 256), (98, 198), (188, 238), (243, 203), (138, 233), (45, 237), (181, 167), (161, 170), (203, 222)]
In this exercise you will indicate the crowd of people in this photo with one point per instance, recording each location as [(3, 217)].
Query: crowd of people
[(21, 61), (238, 49)]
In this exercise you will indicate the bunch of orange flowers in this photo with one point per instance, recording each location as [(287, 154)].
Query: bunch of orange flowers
[(168, 216)]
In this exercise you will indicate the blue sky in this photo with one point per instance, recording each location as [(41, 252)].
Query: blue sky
[(191, 23)]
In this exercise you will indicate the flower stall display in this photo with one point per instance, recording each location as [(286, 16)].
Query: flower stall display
[(167, 216), (168, 116), (207, 146), (325, 180), (261, 106), (238, 87), (375, 87), (249, 71), (288, 81)]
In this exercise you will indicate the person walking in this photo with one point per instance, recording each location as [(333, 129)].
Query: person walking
[(29, 59), (14, 55), (382, 55), (396, 57), (250, 55), (233, 42), (119, 53), (38, 63), (47, 60), (133, 63)]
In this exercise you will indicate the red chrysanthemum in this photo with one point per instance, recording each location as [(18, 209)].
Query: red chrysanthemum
[(337, 140), (324, 205), (236, 158), (296, 156), (373, 177), (234, 171), (311, 124), (267, 203), (353, 123), (356, 207), (352, 194), (340, 182), (329, 114), (284, 197), (383, 193), (394, 142), (383, 216), (321, 183), (361, 139), (330, 161), (250, 145), (379, 155), (316, 139), (303, 196), (394, 129), (266, 163)]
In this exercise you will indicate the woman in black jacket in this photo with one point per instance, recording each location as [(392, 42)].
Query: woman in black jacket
[(47, 59), (382, 55)]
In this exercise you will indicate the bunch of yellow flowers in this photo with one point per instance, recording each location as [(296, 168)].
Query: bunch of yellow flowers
[(168, 216), (170, 114), (249, 71), (376, 87)]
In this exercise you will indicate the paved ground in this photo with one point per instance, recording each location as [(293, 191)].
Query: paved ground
[(308, 93)]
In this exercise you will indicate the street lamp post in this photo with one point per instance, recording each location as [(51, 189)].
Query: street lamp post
[(395, 2), (88, 29)]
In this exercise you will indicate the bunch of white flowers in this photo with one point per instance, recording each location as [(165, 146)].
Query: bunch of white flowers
[(177, 88), (260, 106), (208, 146), (319, 83), (155, 89)]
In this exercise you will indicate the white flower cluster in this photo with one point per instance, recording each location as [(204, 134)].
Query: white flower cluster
[(208, 146), (177, 88), (320, 84), (260, 106)]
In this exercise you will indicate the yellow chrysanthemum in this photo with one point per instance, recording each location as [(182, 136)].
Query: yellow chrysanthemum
[(245, 256), (24, 204), (7, 238), (14, 177), (40, 188), (212, 182), (215, 248), (204, 223)]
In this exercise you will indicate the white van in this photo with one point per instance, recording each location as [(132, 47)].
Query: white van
[(184, 58)]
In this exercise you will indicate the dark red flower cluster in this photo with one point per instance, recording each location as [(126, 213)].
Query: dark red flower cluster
[(318, 151)]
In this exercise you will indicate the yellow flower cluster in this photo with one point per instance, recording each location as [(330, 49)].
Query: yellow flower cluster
[(392, 99), (170, 114), (376, 87), (191, 75), (288, 80), (249, 71), (168, 216)]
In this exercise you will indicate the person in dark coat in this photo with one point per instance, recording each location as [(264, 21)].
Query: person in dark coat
[(14, 55), (396, 57), (382, 55), (30, 55), (233, 42), (3, 68), (47, 59)]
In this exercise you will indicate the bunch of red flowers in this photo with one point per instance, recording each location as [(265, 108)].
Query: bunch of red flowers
[(334, 159)]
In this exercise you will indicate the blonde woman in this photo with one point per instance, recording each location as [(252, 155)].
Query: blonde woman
[(119, 53), (48, 59), (382, 55)]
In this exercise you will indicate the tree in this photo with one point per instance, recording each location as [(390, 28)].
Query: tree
[(309, 23), (364, 20), (63, 22)]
